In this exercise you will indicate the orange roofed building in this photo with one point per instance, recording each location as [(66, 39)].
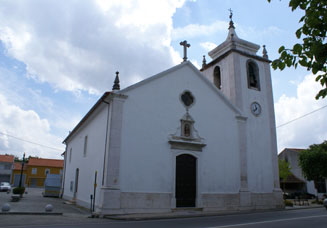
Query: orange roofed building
[(37, 170), (6, 163)]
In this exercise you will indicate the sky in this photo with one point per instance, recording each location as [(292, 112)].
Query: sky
[(58, 57)]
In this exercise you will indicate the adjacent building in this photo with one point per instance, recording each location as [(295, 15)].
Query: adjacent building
[(35, 171), (6, 165), (296, 182)]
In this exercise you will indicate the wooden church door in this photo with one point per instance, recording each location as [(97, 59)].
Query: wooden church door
[(185, 181)]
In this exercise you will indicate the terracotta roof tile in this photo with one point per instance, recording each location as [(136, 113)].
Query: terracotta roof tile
[(18, 166), (46, 162), (292, 179), (7, 158)]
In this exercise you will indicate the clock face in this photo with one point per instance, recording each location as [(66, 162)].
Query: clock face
[(256, 108)]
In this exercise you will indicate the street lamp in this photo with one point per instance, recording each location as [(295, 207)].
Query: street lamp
[(21, 172)]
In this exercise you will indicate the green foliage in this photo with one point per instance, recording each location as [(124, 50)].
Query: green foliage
[(313, 161), (288, 203), (284, 169), (18, 190), (311, 53)]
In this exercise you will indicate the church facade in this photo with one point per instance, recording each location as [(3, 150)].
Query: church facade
[(184, 138)]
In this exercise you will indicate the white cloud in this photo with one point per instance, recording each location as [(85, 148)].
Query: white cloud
[(20, 127), (208, 46), (307, 130), (196, 30), (76, 46)]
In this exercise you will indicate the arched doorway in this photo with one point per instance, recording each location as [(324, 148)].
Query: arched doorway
[(185, 188)]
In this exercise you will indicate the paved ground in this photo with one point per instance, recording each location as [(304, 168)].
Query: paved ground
[(33, 202)]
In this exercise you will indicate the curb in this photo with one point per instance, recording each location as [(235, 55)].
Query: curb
[(209, 214), (31, 213)]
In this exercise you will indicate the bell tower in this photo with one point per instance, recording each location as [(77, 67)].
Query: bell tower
[(245, 79)]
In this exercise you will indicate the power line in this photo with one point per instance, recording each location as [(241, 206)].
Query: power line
[(300, 117), (24, 140)]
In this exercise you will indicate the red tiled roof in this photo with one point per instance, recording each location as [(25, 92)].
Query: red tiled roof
[(46, 162), (18, 166), (292, 179), (7, 158), (295, 149)]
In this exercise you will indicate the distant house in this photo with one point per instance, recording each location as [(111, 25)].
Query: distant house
[(16, 172), (296, 182), (36, 170), (6, 164)]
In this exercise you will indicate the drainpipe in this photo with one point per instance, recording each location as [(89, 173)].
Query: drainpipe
[(64, 173)]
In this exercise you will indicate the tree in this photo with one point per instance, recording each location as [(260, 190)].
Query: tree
[(284, 170), (313, 162), (311, 51)]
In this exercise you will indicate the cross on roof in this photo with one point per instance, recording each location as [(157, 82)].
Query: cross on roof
[(186, 45), (231, 23)]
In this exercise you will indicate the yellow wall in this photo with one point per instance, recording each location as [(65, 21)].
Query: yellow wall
[(14, 172), (37, 179)]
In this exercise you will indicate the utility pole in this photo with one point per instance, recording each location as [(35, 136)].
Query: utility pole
[(21, 171)]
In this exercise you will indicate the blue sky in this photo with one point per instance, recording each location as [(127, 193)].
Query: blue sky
[(58, 57)]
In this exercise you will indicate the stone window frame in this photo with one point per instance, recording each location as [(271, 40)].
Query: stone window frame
[(181, 100), (252, 64), (70, 154), (217, 77), (46, 171), (34, 171), (85, 146)]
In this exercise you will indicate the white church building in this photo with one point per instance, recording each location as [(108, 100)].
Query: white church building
[(184, 138)]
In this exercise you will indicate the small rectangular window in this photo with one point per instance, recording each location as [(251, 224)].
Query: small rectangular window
[(47, 171), (85, 146), (71, 186), (70, 155), (34, 171)]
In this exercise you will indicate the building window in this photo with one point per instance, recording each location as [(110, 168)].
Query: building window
[(253, 75), (34, 171), (47, 171), (70, 155), (217, 77), (71, 186), (85, 146), (321, 186)]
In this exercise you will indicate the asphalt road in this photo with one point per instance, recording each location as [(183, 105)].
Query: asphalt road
[(316, 217)]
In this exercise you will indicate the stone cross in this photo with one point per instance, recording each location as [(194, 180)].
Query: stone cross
[(231, 14), (186, 45)]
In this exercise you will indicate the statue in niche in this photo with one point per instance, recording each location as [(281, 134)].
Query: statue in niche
[(187, 130)]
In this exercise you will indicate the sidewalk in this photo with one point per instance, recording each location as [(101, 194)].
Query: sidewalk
[(196, 213), (33, 202)]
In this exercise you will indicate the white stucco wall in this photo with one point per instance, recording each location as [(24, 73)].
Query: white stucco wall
[(153, 111), (92, 162), (261, 149)]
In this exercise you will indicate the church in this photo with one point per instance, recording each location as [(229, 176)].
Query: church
[(184, 138)]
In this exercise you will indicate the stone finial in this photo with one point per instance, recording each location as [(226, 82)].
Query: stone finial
[(116, 85), (264, 52), (231, 23), (204, 61)]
